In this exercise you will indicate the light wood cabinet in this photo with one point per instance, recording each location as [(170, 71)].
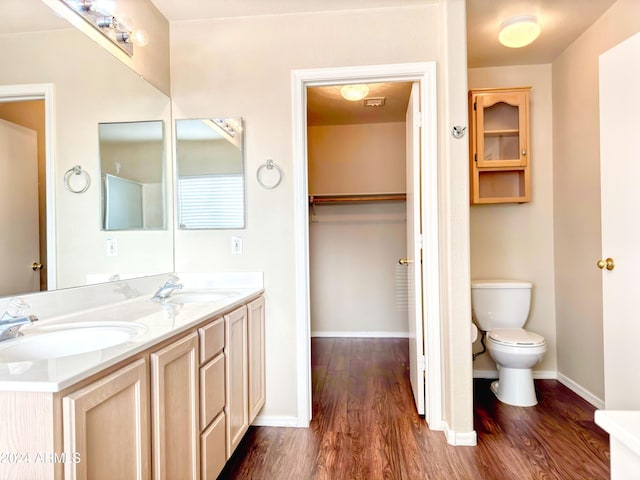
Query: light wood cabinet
[(257, 391), (237, 391), (499, 145), (176, 411), (175, 393), (106, 424)]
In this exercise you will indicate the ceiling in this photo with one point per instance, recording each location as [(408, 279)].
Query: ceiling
[(562, 22)]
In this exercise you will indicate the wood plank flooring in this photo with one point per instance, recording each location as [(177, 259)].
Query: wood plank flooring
[(365, 427)]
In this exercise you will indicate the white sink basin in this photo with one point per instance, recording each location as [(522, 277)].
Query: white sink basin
[(63, 340), (202, 296)]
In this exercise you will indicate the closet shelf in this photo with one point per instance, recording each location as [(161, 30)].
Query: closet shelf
[(356, 198)]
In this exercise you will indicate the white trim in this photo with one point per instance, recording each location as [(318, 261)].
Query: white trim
[(581, 391), (460, 439), (425, 74), (367, 334), (42, 91), (275, 421)]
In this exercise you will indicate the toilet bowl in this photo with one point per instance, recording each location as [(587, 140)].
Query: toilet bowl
[(515, 360), (501, 308)]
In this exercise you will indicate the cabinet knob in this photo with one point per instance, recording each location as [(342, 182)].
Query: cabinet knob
[(405, 261), (608, 263), (524, 152)]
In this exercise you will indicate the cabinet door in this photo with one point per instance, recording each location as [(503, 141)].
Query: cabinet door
[(174, 410), (502, 129), (106, 424), (255, 353), (237, 381)]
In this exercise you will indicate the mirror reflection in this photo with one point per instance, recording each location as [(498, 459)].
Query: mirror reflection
[(210, 170), (131, 159), (91, 86)]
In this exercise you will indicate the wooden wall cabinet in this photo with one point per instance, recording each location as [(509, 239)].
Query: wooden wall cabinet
[(499, 152)]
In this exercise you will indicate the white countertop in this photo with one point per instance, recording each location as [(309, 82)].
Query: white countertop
[(623, 425), (157, 321)]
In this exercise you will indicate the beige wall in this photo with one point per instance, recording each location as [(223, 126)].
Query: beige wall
[(243, 66), (576, 173), (367, 158), (357, 285), (516, 240)]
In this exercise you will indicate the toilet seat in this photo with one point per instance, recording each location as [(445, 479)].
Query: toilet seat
[(515, 337)]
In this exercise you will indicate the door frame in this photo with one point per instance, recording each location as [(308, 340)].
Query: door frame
[(424, 73), (42, 91)]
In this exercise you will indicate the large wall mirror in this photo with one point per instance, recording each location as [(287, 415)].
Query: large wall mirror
[(132, 173), (210, 171), (90, 87)]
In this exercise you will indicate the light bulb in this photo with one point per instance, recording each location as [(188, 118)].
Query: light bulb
[(140, 38)]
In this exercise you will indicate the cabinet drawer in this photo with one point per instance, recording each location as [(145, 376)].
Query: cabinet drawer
[(211, 340), (212, 394), (212, 445)]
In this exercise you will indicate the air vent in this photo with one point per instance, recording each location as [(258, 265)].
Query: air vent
[(374, 102)]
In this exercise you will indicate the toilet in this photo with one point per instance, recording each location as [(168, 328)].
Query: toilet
[(501, 308)]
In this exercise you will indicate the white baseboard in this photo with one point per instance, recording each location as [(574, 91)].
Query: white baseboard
[(361, 334), (460, 439), (276, 421), (581, 391), (537, 374)]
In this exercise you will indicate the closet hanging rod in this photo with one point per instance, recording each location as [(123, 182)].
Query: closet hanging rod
[(367, 197)]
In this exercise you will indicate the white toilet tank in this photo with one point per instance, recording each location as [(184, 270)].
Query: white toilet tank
[(500, 303)]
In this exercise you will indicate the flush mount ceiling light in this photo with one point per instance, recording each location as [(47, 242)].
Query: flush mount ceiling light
[(354, 92), (519, 31)]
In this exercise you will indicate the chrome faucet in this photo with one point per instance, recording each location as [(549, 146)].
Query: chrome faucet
[(9, 328), (172, 283), (14, 318)]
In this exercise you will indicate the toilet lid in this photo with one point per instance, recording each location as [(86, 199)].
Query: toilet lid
[(516, 336)]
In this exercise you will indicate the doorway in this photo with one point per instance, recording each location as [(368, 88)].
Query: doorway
[(423, 74), (29, 108)]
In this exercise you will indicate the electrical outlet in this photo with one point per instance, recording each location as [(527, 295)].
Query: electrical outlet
[(112, 247), (236, 245)]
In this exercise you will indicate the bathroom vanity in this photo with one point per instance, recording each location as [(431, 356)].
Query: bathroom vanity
[(172, 401)]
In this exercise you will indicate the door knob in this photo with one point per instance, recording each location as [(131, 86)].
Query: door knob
[(405, 261), (608, 263), (35, 266)]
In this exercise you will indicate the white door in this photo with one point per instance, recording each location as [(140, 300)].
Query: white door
[(414, 251), (620, 177), (19, 239)]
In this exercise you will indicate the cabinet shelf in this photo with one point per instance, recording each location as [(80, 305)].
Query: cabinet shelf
[(498, 133)]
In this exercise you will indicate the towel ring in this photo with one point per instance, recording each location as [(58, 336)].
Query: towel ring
[(77, 170), (269, 165)]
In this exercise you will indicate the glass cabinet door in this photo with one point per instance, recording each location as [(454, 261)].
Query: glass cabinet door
[(501, 126)]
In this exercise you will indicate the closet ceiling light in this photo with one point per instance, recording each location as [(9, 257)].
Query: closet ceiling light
[(519, 31), (354, 92)]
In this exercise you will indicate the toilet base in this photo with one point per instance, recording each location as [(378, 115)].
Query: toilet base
[(515, 387)]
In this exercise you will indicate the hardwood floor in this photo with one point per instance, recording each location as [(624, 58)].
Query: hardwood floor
[(365, 427)]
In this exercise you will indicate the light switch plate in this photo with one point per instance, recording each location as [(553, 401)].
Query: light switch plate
[(112, 247), (236, 245)]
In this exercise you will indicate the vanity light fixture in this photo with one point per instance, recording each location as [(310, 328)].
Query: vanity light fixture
[(517, 32), (355, 92), (100, 15)]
